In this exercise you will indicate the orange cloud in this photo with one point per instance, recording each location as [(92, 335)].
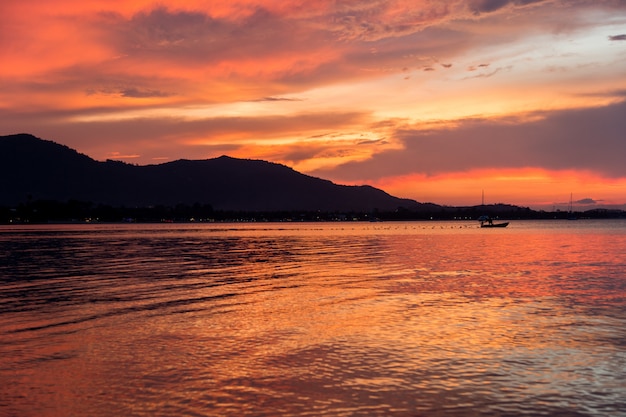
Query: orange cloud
[(273, 79)]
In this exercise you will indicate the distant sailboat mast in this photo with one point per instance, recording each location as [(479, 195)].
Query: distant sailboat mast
[(571, 195), (570, 212)]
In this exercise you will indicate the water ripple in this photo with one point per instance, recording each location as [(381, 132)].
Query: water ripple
[(313, 319)]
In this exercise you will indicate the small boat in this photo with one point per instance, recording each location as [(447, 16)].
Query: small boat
[(494, 224), (486, 221)]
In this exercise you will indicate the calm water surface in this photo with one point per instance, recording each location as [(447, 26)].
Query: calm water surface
[(308, 319)]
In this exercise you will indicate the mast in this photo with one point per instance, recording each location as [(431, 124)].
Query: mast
[(570, 214), (570, 202)]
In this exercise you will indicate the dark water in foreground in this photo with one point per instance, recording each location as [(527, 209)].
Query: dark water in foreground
[(307, 319)]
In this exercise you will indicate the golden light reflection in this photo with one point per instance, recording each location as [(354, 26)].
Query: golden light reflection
[(233, 319)]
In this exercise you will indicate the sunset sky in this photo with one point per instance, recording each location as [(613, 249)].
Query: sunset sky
[(430, 100)]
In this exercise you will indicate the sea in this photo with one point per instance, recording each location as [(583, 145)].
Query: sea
[(423, 318)]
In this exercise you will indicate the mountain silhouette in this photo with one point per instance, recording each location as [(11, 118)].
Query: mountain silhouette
[(35, 169)]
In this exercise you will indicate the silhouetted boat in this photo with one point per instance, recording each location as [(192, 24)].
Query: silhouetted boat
[(494, 224), (486, 221)]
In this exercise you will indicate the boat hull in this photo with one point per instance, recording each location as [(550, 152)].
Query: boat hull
[(495, 225)]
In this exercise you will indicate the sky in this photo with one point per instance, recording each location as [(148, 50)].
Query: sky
[(520, 101)]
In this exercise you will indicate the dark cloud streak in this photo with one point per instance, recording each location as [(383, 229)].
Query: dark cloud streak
[(489, 6), (138, 93), (271, 99), (587, 139), (196, 38)]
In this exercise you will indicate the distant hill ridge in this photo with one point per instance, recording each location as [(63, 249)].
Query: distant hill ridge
[(36, 169)]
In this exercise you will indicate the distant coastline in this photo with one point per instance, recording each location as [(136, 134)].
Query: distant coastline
[(73, 211)]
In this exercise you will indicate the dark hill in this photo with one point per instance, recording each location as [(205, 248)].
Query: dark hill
[(36, 169)]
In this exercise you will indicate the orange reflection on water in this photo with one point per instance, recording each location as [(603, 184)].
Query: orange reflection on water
[(332, 319)]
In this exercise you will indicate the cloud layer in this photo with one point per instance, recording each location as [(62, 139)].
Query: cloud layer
[(353, 90), (583, 139)]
